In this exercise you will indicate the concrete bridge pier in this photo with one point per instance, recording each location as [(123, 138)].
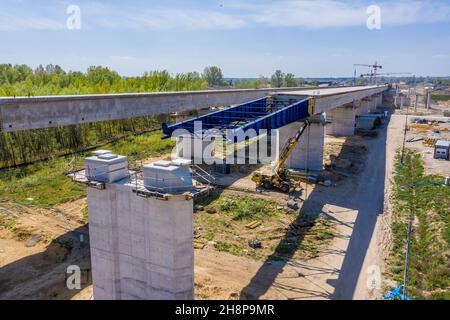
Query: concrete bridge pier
[(366, 106), (308, 154), (194, 148), (141, 247), (379, 100), (343, 120)]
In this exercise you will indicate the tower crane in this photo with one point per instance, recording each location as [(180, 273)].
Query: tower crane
[(373, 69)]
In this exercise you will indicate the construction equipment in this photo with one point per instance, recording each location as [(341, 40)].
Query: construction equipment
[(279, 177), (430, 142), (373, 70)]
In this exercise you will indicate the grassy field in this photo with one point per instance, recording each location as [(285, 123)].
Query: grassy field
[(429, 208), (222, 219), (44, 183), (440, 97)]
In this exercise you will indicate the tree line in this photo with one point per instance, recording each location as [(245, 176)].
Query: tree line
[(20, 80)]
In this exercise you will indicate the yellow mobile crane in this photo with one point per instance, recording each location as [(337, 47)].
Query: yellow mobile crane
[(279, 177)]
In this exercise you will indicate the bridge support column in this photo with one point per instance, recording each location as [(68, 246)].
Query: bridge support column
[(194, 148), (372, 104), (366, 106), (308, 154), (342, 121), (379, 99), (141, 248)]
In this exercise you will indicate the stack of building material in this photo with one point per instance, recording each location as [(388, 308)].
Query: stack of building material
[(106, 167), (168, 176)]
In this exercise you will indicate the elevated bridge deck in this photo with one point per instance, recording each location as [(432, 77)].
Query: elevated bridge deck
[(25, 113), (277, 110)]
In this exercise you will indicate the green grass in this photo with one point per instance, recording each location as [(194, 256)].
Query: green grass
[(230, 248), (142, 146), (85, 214), (320, 233), (7, 221), (429, 207), (230, 213), (224, 217), (46, 184), (440, 97), (241, 208)]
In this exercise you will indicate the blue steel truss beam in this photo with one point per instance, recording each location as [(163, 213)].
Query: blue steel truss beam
[(257, 114)]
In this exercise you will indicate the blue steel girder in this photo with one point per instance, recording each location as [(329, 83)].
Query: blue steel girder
[(257, 114)]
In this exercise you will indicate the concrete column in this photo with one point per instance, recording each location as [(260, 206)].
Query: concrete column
[(377, 102), (141, 248), (193, 148), (366, 107), (372, 104), (342, 121), (308, 154)]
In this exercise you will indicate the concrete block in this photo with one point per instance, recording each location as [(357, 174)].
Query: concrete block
[(167, 177), (107, 167), (101, 152)]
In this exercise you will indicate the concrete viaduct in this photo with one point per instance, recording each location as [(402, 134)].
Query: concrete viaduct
[(26, 113), (142, 247)]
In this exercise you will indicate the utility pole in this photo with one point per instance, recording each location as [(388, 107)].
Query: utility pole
[(415, 94)]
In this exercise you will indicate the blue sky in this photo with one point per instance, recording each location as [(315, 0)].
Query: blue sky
[(310, 38)]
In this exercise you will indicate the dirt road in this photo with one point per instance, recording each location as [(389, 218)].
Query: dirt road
[(370, 238), (350, 268)]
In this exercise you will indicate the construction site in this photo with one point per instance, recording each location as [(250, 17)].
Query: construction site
[(267, 194)]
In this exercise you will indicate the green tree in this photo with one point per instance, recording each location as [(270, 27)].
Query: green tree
[(264, 82), (214, 76), (98, 75), (290, 81), (277, 79)]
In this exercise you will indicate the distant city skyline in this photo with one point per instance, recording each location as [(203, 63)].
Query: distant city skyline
[(311, 39)]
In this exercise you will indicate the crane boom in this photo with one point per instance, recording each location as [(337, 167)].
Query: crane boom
[(287, 150), (278, 176)]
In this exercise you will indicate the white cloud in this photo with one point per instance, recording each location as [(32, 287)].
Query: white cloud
[(328, 13), (305, 14), (16, 22), (234, 14), (192, 19), (158, 18)]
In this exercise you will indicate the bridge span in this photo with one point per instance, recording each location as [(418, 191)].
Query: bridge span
[(26, 113)]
